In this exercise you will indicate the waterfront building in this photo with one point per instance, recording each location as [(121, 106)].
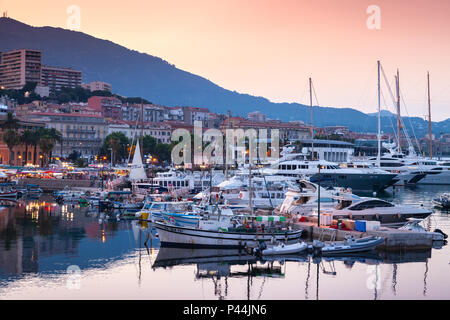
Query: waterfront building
[(329, 150), (81, 132), (20, 155), (288, 131), (160, 131), (57, 78), (19, 67), (151, 112)]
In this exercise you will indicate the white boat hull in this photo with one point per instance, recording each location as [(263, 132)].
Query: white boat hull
[(181, 236)]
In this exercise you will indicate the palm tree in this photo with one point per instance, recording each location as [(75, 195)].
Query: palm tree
[(34, 141), (27, 139), (47, 141), (12, 139), (11, 122)]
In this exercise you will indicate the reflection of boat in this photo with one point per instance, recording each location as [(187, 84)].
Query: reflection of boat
[(168, 257), (351, 244)]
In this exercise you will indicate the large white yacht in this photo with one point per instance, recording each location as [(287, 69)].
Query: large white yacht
[(303, 199), (331, 174), (374, 209), (413, 169), (192, 182)]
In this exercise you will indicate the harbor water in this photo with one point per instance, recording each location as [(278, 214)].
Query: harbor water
[(51, 251)]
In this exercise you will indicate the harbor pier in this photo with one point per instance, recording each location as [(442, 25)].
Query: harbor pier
[(394, 239)]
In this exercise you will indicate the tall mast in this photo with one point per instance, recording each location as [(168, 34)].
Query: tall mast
[(142, 128), (379, 117), (399, 120), (429, 117), (311, 129), (226, 164)]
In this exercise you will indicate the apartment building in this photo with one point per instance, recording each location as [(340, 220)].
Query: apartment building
[(57, 78), (19, 67), (82, 132)]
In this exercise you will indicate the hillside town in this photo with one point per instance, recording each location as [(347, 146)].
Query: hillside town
[(53, 101)]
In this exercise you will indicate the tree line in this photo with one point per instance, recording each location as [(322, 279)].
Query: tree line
[(43, 138)]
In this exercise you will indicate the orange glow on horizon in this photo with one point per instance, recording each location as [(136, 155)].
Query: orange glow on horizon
[(269, 48)]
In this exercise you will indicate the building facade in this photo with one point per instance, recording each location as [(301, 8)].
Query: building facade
[(81, 132), (19, 67), (110, 107), (57, 78), (160, 131)]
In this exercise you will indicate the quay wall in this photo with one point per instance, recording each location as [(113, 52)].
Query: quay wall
[(394, 239), (49, 185)]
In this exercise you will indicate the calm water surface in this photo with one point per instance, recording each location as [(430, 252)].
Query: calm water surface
[(49, 251)]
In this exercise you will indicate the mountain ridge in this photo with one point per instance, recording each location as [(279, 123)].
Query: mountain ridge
[(155, 79)]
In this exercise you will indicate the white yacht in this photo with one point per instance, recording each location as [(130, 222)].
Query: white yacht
[(191, 182), (373, 209), (303, 199), (413, 169), (332, 175)]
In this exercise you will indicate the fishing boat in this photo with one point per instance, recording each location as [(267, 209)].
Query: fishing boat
[(7, 190), (154, 210), (122, 201), (29, 191), (351, 244), (227, 231), (442, 201)]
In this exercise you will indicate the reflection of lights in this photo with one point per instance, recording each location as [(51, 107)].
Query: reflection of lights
[(103, 236)]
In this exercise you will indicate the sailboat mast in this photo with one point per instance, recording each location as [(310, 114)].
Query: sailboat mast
[(226, 164), (250, 189), (399, 120), (141, 140), (311, 129), (379, 117), (429, 117)]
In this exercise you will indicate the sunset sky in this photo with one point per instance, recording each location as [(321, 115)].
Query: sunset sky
[(269, 48)]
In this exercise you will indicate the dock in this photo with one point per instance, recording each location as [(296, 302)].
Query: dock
[(394, 239), (49, 185)]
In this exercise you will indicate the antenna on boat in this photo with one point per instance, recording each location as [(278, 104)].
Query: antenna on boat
[(430, 137), (142, 128), (311, 129), (399, 119), (226, 164), (379, 117)]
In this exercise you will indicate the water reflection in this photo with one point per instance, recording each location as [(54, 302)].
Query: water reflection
[(40, 238)]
